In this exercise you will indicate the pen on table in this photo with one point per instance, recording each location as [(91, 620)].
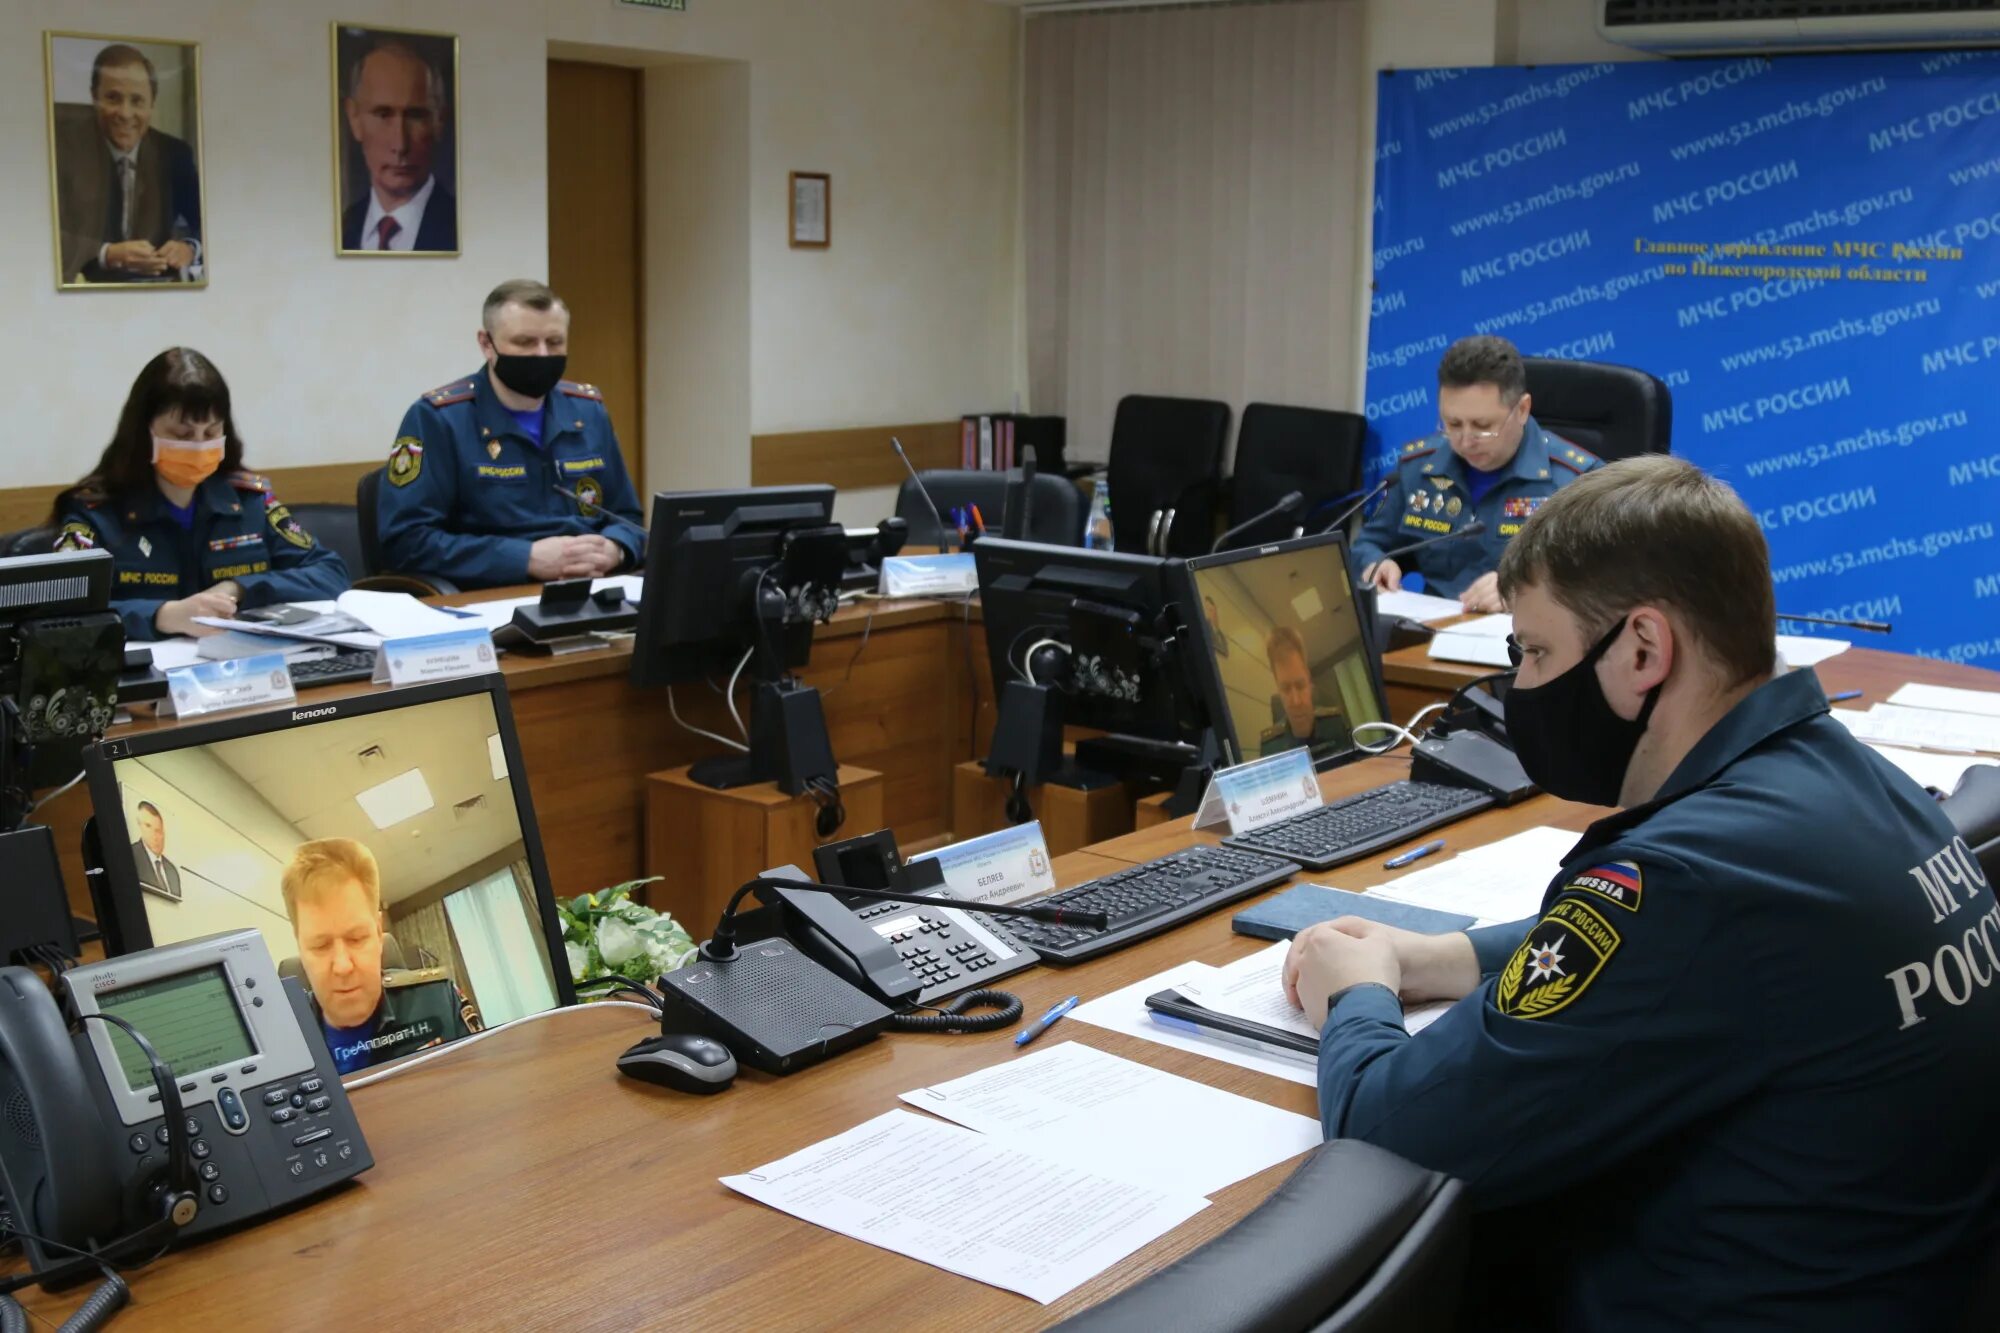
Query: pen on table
[(1414, 854), (1045, 1022), (1844, 695)]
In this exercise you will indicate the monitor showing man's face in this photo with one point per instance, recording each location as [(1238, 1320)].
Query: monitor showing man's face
[(152, 830), (1295, 688), (340, 946)]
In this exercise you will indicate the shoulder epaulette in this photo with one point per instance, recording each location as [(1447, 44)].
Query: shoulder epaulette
[(575, 390), (1418, 448), (1570, 456), (458, 391), (250, 481)]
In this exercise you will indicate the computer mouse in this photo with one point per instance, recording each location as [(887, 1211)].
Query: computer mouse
[(681, 1061)]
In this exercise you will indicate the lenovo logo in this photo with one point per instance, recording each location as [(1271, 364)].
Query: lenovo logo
[(308, 714)]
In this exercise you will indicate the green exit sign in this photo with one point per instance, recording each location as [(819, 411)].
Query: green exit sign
[(679, 5)]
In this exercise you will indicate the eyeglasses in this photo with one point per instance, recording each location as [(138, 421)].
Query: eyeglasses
[(1475, 436)]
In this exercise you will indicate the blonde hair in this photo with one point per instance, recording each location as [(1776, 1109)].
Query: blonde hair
[(327, 863), (1286, 638)]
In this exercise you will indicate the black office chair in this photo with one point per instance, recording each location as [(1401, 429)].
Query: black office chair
[(1613, 411), (372, 571), (28, 541), (1055, 517), (1974, 810), (1312, 450), (1356, 1240), (337, 528), (1166, 473)]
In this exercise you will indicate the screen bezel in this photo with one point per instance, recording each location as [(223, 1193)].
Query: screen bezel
[(1208, 675), (121, 904)]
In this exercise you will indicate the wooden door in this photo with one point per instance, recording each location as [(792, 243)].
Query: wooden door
[(595, 188)]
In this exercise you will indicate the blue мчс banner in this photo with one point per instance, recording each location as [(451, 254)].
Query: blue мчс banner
[(1804, 249)]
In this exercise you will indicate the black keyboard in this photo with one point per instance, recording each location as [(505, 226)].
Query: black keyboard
[(358, 664), (1365, 822), (1150, 898)]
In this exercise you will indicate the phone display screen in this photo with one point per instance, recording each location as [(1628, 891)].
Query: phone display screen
[(191, 1020)]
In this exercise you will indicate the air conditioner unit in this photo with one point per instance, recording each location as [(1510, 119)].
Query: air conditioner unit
[(1723, 27)]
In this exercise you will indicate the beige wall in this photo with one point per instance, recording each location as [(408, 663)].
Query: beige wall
[(910, 104)]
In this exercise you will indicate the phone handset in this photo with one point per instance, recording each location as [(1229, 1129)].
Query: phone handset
[(831, 933)]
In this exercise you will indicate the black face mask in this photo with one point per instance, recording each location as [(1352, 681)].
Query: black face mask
[(529, 376), (1569, 741)]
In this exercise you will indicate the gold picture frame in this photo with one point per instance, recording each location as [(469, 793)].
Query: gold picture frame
[(396, 174), (124, 133), (809, 209)]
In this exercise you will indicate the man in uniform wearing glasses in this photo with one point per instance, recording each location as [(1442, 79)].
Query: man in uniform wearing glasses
[(1490, 461)]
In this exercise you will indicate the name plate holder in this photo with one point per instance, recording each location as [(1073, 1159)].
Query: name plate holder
[(1261, 792), (1003, 867), (427, 657), (236, 682)]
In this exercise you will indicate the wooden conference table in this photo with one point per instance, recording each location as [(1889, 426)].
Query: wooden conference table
[(522, 1184)]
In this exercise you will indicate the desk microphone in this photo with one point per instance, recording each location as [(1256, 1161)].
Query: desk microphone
[(1360, 504), (944, 541), (1472, 529), (721, 946), (602, 509), (1871, 626), (1292, 500)]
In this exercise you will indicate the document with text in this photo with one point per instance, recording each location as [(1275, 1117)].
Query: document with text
[(1122, 1118), (985, 1207)]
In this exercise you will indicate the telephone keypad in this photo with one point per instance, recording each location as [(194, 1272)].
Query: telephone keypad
[(210, 1171), (199, 1150), (140, 1143), (218, 1195), (276, 1097)]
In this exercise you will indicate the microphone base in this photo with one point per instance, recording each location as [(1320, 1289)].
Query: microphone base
[(774, 1008)]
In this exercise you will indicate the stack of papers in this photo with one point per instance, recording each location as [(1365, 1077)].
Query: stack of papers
[(1058, 1165), (1945, 699), (1482, 642), (1800, 652), (1124, 1010), (1253, 990), (1417, 606), (1941, 771), (1502, 881), (1923, 728)]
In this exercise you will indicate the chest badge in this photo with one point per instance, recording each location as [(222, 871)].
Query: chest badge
[(493, 448), (146, 546), (589, 495), (1453, 506)]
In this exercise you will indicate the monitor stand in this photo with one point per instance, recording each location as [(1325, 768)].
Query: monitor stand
[(788, 743)]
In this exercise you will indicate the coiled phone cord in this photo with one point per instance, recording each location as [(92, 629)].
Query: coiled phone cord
[(956, 1017)]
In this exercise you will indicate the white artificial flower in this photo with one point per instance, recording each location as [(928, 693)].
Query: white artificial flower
[(617, 942), (579, 959)]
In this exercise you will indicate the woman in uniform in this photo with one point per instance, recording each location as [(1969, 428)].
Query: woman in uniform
[(191, 532)]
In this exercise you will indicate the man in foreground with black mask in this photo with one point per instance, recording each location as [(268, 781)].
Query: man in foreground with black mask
[(511, 474), (1740, 1069)]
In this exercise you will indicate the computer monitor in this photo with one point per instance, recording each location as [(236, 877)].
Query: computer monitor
[(61, 650), (1285, 658), (385, 847), (735, 582)]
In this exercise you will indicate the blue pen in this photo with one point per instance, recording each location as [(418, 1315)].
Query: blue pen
[(1046, 1021), (1844, 695), (1414, 854)]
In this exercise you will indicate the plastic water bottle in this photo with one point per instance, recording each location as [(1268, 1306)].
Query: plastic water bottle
[(1097, 528)]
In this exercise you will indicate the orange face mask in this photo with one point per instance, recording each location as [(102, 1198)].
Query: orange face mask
[(186, 462)]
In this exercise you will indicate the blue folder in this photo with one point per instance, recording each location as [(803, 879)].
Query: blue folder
[(1293, 910)]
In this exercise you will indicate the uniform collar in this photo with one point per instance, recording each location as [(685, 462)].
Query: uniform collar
[(214, 496), (1772, 707), (492, 415), (1529, 463)]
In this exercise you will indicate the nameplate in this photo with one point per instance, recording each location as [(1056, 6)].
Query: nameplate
[(1261, 792), (1002, 867), (237, 682), (427, 657), (929, 576)]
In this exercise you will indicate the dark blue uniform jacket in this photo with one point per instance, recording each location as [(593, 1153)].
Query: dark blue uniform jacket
[(1744, 1070), (467, 493)]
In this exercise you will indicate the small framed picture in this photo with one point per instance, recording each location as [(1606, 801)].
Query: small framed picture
[(125, 161), (812, 216), (395, 142)]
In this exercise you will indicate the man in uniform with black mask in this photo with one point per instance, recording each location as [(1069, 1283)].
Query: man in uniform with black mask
[(1739, 1069), (512, 474)]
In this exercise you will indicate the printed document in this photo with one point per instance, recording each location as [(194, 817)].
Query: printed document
[(1502, 881), (989, 1208), (1120, 1118), (1253, 989)]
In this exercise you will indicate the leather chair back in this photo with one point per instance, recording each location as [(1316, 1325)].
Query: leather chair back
[(1313, 450), (1166, 473), (1357, 1240), (1613, 411), (336, 527), (1974, 810), (1056, 519), (367, 498), (28, 541)]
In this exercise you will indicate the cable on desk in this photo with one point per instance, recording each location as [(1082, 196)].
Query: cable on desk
[(1005, 1006), (867, 628), (57, 792), (674, 711), (618, 983), (729, 696), (1408, 735), (463, 1042)]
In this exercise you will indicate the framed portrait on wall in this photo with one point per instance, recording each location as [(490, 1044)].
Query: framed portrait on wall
[(395, 142), (125, 176), (811, 210)]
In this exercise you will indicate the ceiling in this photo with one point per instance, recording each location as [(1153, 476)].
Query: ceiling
[(311, 775)]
